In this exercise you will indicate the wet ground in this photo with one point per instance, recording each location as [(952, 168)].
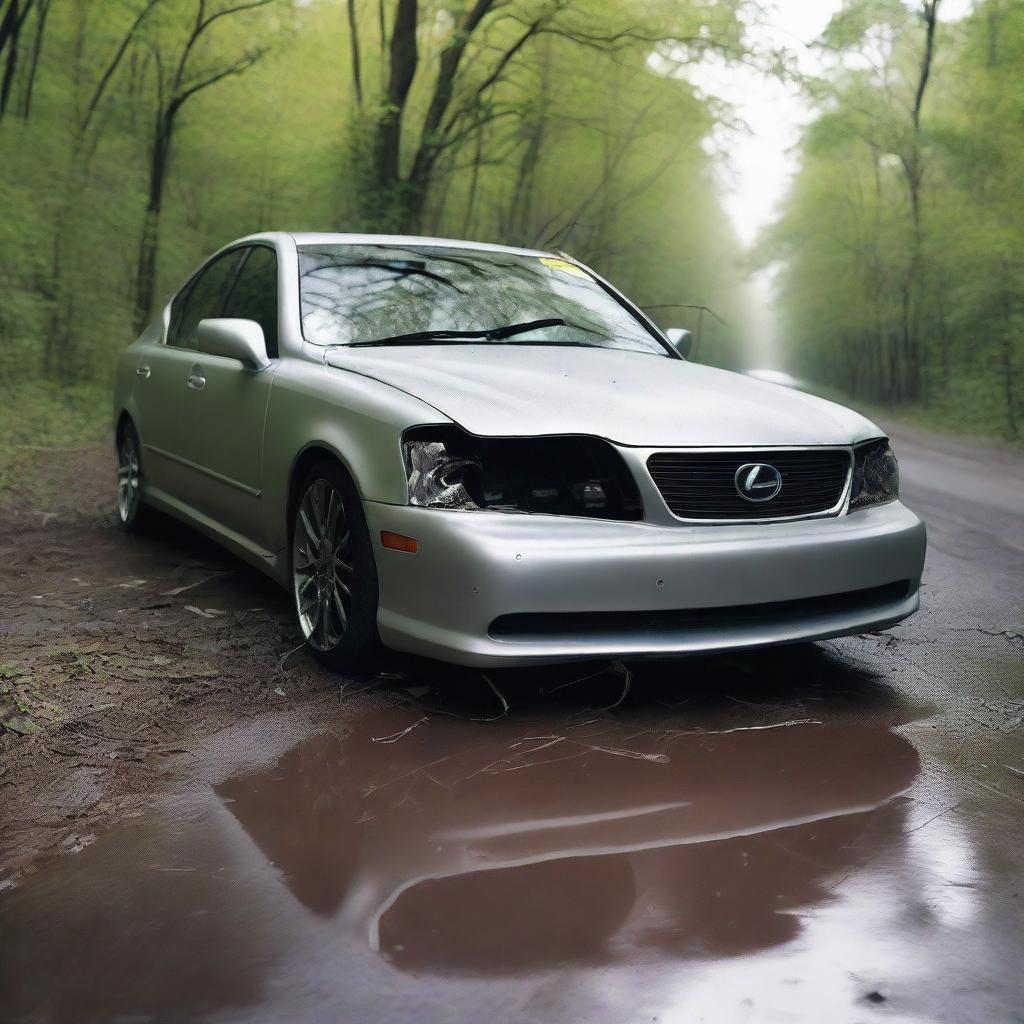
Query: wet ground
[(829, 832)]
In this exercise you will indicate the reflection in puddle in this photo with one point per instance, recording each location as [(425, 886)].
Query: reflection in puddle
[(504, 849), (671, 860)]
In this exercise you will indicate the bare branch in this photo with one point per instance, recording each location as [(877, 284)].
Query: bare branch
[(624, 37), (454, 140), (237, 68), (202, 22), (491, 78), (930, 13), (108, 74), (251, 5)]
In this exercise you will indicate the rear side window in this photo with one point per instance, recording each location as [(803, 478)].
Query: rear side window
[(254, 295), (201, 298)]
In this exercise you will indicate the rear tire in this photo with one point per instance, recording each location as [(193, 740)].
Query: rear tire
[(133, 515), (334, 575)]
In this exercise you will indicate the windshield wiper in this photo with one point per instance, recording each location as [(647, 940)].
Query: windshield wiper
[(493, 334)]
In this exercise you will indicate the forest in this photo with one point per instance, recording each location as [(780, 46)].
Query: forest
[(901, 244), (137, 136)]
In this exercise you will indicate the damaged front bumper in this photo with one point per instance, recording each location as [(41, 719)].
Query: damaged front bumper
[(488, 588)]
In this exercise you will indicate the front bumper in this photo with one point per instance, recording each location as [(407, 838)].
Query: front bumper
[(473, 568)]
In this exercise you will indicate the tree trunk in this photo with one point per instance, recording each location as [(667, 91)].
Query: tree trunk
[(404, 57), (467, 220), (444, 88), (10, 30), (33, 65), (353, 31), (412, 205), (145, 275), (910, 380), (519, 216)]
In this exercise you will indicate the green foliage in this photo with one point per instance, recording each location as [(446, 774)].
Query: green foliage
[(896, 306), (38, 415), (575, 143)]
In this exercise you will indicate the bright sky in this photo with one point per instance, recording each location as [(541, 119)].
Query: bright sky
[(760, 163)]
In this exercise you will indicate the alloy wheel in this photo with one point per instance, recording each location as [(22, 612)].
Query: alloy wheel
[(322, 569), (127, 477)]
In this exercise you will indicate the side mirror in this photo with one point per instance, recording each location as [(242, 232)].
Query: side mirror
[(682, 340), (235, 339)]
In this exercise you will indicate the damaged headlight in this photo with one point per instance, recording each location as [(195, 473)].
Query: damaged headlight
[(437, 476), (575, 476), (876, 475)]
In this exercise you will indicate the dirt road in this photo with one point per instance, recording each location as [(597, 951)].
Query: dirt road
[(830, 832)]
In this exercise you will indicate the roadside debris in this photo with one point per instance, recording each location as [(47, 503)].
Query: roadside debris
[(191, 586), (207, 613), (395, 736), (20, 725), (288, 654), (497, 693)]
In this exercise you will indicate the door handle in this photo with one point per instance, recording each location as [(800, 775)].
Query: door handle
[(142, 370), (195, 382)]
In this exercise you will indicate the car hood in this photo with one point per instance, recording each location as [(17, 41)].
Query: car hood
[(626, 397)]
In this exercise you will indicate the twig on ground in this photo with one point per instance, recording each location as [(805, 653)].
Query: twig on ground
[(288, 654), (573, 682), (344, 691), (637, 755), (628, 676), (190, 586), (497, 693), (395, 736)]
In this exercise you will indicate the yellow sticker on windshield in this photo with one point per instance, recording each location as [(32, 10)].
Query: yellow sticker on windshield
[(564, 265)]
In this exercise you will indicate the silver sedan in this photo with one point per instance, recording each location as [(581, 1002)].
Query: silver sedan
[(488, 455)]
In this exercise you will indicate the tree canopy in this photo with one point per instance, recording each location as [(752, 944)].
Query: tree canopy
[(137, 136), (902, 240)]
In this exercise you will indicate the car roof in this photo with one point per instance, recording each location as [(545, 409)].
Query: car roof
[(346, 238)]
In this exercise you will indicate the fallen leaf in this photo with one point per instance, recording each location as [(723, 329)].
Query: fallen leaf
[(20, 725)]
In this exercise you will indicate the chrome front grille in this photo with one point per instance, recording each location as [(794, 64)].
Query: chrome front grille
[(701, 485)]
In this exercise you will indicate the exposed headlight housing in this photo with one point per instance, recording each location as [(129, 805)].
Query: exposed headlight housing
[(570, 476), (876, 475)]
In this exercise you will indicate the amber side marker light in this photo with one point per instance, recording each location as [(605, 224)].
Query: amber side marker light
[(398, 542)]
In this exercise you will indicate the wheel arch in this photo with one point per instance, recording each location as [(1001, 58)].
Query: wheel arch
[(124, 418)]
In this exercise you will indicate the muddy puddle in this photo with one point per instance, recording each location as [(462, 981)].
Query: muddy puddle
[(669, 858)]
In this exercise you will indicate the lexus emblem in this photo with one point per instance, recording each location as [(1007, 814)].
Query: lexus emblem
[(757, 481)]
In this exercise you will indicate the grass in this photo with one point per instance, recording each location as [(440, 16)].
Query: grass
[(41, 415), (951, 423)]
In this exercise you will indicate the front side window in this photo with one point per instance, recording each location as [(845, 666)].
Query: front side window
[(254, 294), (200, 299), (380, 294)]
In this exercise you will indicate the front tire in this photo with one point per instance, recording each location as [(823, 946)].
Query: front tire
[(334, 575)]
